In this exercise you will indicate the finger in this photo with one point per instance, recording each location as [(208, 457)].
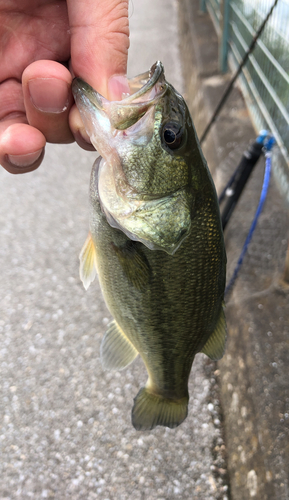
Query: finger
[(21, 146), (48, 99), (78, 130), (99, 40)]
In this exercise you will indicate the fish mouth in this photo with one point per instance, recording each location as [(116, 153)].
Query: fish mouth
[(146, 89)]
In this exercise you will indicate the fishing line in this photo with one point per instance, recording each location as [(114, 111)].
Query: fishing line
[(266, 181), (239, 69)]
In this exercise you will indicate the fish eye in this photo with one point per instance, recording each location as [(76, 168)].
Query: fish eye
[(172, 134)]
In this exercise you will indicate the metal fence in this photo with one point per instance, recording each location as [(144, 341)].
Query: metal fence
[(265, 77)]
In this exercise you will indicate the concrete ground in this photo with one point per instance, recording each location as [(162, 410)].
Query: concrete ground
[(253, 374), (65, 423)]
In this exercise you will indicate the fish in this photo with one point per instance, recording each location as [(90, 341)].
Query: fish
[(155, 241)]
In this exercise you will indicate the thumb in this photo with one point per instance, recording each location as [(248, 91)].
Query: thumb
[(99, 44)]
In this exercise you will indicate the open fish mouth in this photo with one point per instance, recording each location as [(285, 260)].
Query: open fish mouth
[(145, 88), (160, 222), (144, 82)]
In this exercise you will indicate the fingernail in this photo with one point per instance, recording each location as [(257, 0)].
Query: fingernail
[(49, 95), (24, 160), (117, 87)]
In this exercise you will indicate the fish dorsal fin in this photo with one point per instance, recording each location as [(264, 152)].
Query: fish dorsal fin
[(134, 264), (116, 350), (215, 345), (150, 410), (87, 257)]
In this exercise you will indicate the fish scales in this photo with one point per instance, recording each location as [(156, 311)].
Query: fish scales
[(162, 273), (147, 178)]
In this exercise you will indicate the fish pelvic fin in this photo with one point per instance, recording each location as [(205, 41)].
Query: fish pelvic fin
[(116, 350), (87, 257), (216, 343), (150, 410)]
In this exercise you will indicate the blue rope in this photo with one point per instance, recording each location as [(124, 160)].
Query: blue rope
[(268, 146)]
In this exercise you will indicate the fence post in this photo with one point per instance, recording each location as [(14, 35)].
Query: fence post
[(203, 6), (224, 39)]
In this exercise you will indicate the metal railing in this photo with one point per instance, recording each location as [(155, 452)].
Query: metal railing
[(213, 7), (265, 77)]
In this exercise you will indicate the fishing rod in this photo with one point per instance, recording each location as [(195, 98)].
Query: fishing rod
[(233, 190)]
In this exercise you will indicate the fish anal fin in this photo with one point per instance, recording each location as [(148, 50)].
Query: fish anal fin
[(116, 350), (215, 345), (87, 257), (150, 410), (134, 264)]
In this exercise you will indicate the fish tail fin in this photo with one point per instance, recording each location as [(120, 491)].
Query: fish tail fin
[(150, 410)]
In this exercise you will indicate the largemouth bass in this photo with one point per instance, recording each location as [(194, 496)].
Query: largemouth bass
[(155, 241)]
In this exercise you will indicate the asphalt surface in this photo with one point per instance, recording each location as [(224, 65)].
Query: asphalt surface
[(65, 423)]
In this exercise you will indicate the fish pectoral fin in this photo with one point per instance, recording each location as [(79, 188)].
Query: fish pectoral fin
[(215, 345), (134, 264), (116, 350), (87, 257), (150, 410)]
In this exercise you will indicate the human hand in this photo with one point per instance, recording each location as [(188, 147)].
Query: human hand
[(36, 103)]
